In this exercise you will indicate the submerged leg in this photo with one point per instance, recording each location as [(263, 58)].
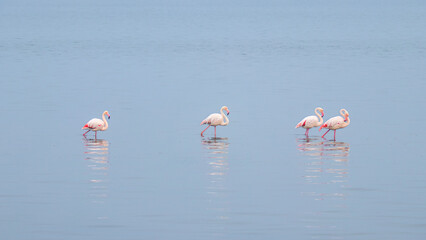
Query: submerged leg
[(84, 134), (204, 130), (325, 133)]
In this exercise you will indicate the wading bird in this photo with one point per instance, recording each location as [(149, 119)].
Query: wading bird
[(338, 122), (216, 119), (312, 121), (97, 124)]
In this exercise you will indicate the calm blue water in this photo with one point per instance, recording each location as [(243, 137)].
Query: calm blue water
[(160, 68)]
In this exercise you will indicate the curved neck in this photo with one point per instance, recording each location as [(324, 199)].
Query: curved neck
[(346, 123), (319, 117), (345, 116), (105, 122), (224, 116)]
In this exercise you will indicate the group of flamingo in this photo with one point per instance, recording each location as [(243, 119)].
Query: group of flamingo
[(220, 119), (333, 123)]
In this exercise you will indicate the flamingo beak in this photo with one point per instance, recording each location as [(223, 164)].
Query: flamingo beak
[(109, 116), (322, 114), (227, 112)]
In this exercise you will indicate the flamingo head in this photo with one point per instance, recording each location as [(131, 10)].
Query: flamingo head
[(346, 116), (344, 113), (226, 109), (107, 113), (322, 126), (322, 112)]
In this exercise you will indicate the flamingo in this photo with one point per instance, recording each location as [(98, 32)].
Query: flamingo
[(338, 122), (216, 119), (311, 121), (97, 124)]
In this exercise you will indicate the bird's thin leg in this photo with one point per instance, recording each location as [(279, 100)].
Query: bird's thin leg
[(307, 132), (325, 133), (334, 135), (86, 132), (95, 135), (214, 131), (204, 130)]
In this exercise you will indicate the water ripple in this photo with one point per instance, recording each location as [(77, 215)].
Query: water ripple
[(216, 150), (326, 175), (96, 155)]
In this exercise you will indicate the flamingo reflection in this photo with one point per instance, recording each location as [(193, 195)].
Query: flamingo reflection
[(96, 155), (325, 173), (217, 158), (326, 164)]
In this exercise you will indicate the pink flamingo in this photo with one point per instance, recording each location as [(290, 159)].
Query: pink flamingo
[(97, 124), (216, 119), (311, 121), (338, 122)]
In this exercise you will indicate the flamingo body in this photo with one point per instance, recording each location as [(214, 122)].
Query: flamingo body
[(312, 121), (213, 119), (216, 119), (334, 123), (97, 124), (338, 122)]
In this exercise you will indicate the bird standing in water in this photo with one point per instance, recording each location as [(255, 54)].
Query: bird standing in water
[(97, 124), (312, 121), (216, 119), (338, 122)]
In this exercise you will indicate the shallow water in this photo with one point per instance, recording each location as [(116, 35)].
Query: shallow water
[(160, 68)]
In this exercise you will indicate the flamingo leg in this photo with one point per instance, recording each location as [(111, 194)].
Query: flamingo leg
[(84, 134), (307, 132), (204, 130), (214, 131), (334, 135), (95, 135), (325, 133)]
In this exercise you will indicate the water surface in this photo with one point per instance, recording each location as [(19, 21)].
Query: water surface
[(160, 68)]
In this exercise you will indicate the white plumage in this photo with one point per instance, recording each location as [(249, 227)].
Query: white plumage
[(338, 122), (311, 121), (335, 123), (216, 119), (213, 119), (97, 124)]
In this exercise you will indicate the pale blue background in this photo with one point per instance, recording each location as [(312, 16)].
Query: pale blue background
[(161, 67)]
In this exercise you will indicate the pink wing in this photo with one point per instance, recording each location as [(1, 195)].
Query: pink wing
[(333, 123), (308, 122), (213, 119), (94, 124)]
